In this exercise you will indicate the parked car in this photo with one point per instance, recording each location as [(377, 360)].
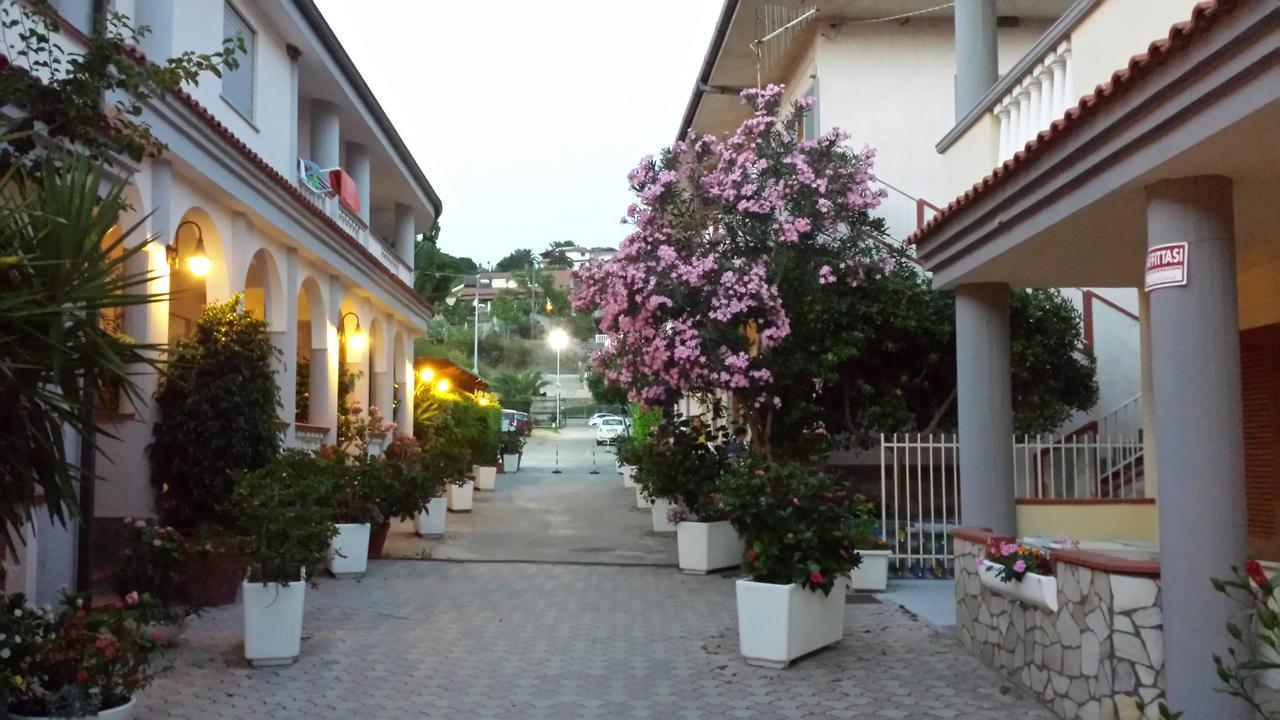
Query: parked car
[(594, 421), (610, 429), (517, 422)]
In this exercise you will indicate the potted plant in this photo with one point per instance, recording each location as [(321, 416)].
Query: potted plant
[(800, 533), (872, 575), (485, 444), (285, 511), (627, 451), (1018, 571), (153, 563), (511, 445), (441, 464), (680, 466), (76, 660), (358, 481)]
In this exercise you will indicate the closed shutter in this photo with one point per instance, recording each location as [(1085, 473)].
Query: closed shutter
[(237, 85), (1260, 378)]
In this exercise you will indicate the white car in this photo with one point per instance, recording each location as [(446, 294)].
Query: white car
[(609, 430), (595, 419)]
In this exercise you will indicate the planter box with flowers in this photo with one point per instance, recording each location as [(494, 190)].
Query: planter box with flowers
[(461, 495), (76, 660), (286, 512), (431, 519), (800, 529), (642, 501), (628, 473), (873, 574), (659, 512), (1019, 572), (153, 563), (511, 446), (704, 547)]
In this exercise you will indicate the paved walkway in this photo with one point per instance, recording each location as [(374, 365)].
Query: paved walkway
[(535, 515), (551, 636)]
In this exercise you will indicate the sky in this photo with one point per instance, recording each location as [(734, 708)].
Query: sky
[(527, 115)]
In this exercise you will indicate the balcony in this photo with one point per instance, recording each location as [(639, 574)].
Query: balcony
[(358, 229)]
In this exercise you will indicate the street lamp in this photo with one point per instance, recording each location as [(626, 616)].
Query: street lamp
[(559, 340)]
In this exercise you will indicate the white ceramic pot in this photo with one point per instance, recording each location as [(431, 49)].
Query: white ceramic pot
[(273, 622), (873, 573), (349, 549), (1038, 590), (486, 476), (431, 520), (511, 463), (659, 511), (642, 500), (628, 473), (460, 496), (707, 546), (779, 623), (123, 712)]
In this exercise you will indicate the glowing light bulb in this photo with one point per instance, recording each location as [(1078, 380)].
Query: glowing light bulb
[(358, 341), (442, 386), (199, 265), (427, 374)]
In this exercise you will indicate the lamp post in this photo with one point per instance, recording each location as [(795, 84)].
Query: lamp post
[(559, 340)]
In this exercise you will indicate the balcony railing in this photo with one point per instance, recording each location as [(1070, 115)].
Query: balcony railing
[(359, 229), (1035, 101)]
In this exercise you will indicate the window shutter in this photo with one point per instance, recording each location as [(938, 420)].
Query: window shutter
[(1260, 379), (237, 85)]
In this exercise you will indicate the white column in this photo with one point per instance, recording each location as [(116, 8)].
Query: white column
[(1150, 472), (1035, 103), (294, 53), (289, 378), (384, 373), (406, 229), (324, 366), (1015, 127), (1069, 93), (1003, 112), (1044, 76), (326, 134), (358, 169), (1023, 95), (1058, 68), (404, 413)]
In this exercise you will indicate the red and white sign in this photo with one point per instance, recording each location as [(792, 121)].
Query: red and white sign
[(1166, 266)]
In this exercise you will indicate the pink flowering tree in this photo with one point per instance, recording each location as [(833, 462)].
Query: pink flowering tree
[(740, 253)]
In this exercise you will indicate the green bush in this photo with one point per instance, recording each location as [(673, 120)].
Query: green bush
[(285, 512), (447, 427), (219, 413), (801, 525), (684, 463), (411, 479)]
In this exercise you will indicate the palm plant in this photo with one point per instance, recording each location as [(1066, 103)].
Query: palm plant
[(62, 270), (513, 385)]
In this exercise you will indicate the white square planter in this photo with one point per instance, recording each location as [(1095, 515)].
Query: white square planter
[(486, 476), (1038, 590), (431, 520), (873, 573), (628, 473), (707, 546), (273, 622), (511, 463), (779, 623), (659, 512), (460, 496), (642, 500), (349, 549)]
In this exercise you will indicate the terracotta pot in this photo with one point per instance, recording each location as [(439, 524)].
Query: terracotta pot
[(213, 579), (378, 538)]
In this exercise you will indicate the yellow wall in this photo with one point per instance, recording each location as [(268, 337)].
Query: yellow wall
[(971, 157), (1099, 522), (1113, 32)]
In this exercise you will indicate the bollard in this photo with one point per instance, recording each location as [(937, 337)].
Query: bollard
[(594, 471), (557, 470)]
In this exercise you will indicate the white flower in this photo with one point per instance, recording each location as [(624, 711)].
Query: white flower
[(17, 612), (4, 653)]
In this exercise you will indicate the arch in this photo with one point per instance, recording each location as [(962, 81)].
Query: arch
[(402, 383), (264, 290), (188, 293), (311, 356)]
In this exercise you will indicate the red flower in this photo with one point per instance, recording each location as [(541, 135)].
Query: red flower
[(751, 556), (1259, 576), (795, 501), (816, 578), (82, 677)]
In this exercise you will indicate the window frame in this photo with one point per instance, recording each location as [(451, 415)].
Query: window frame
[(250, 58)]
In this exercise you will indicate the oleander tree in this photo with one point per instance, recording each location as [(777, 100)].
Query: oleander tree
[(756, 267)]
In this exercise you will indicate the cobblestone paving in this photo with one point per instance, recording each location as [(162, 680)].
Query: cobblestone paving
[(498, 640)]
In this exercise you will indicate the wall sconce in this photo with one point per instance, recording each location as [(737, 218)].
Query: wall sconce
[(198, 262), (357, 340)]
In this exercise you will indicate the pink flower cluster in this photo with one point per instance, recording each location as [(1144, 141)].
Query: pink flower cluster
[(690, 302)]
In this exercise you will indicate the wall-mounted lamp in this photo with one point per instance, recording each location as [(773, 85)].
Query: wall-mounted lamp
[(198, 261), (357, 340)]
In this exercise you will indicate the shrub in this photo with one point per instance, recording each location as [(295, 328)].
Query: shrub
[(510, 442), (219, 414), (285, 511), (409, 481), (799, 523), (684, 462), (154, 562), (76, 660)]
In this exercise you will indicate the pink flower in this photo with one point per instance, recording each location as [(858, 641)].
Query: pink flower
[(1008, 548), (1020, 566), (795, 502), (82, 677), (816, 578), (825, 276), (131, 599)]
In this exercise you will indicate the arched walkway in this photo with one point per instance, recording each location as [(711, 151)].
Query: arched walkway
[(316, 373)]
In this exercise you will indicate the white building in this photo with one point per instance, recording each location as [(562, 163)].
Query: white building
[(884, 73), (232, 179)]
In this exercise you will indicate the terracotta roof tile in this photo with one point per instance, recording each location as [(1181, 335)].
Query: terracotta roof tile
[(1203, 16)]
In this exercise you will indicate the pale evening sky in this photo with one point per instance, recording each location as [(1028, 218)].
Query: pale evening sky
[(526, 116)]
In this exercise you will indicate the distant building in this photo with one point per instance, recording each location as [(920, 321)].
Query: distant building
[(578, 255), (496, 282)]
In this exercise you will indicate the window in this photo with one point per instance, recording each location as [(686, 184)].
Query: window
[(77, 12), (809, 123), (237, 85)]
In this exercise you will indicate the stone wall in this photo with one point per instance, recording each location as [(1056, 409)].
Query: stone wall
[(1099, 657)]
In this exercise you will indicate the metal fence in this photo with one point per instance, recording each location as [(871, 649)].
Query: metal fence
[(920, 486)]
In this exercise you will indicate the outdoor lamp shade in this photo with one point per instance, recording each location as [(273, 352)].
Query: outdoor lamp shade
[(559, 339), (199, 263), (358, 340)]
